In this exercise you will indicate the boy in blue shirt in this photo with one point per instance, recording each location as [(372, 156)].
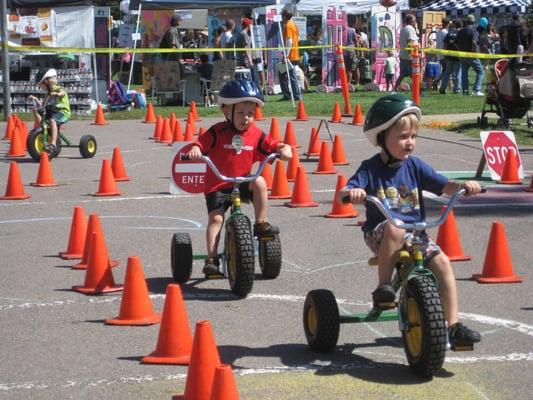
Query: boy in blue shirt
[(397, 178)]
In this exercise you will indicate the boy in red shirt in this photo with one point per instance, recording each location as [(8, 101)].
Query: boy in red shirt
[(234, 146)]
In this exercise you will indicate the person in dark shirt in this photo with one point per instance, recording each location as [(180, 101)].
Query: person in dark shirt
[(171, 39), (205, 69), (453, 63), (467, 41)]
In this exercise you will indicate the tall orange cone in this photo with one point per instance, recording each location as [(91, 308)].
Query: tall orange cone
[(135, 306), (107, 186), (117, 166), (9, 127), (336, 116), (357, 116), (292, 166), (224, 386), (325, 162), (204, 361), (158, 128), (76, 238), (280, 185), (267, 175), (177, 133), (16, 148), (301, 115), (290, 137), (313, 148), (341, 210), (166, 133), (301, 197), (98, 277), (449, 240), (99, 118), (174, 343), (510, 170), (498, 266), (172, 120), (44, 174), (189, 131), (190, 122), (258, 114), (337, 154), (149, 118), (194, 111), (14, 188), (274, 129)]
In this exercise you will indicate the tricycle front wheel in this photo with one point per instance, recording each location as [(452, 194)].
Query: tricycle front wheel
[(181, 257), (87, 146), (239, 248)]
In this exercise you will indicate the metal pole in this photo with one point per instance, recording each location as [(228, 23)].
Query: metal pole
[(5, 60), (134, 45)]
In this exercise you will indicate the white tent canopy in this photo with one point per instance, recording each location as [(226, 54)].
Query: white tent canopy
[(310, 7)]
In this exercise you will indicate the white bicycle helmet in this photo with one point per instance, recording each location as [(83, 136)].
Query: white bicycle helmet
[(43, 74)]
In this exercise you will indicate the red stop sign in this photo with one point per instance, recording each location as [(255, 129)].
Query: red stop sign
[(497, 145), (188, 175)]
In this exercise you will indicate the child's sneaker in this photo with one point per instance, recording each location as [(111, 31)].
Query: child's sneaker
[(462, 337), (384, 296), (49, 148), (211, 266), (265, 229)]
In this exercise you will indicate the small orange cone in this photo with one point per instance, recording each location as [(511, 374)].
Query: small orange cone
[(177, 133), (166, 133), (292, 166), (498, 266), (341, 210), (190, 121), (9, 128), (44, 174), (189, 131), (149, 118), (107, 186), (301, 197), (224, 386), (158, 128), (258, 114), (325, 163), (280, 185), (337, 154), (204, 361), (267, 175), (336, 116), (14, 188), (98, 277), (172, 120), (16, 148), (290, 137), (117, 166), (274, 129), (99, 119), (313, 149), (135, 306), (357, 116), (76, 239), (194, 111), (448, 239), (25, 134), (201, 131), (174, 343), (510, 170), (301, 115)]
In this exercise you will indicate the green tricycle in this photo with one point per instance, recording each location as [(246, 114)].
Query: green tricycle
[(419, 310), (240, 246)]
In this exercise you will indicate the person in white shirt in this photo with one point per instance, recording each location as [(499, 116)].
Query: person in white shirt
[(441, 34), (408, 37), (227, 40)]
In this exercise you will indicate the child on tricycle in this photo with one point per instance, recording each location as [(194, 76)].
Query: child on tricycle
[(397, 179)]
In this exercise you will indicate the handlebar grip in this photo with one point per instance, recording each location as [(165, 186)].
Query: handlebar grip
[(483, 189), (345, 199), (184, 157)]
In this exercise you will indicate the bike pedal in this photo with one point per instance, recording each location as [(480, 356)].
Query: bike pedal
[(468, 347), (385, 305), (214, 276), (265, 238)]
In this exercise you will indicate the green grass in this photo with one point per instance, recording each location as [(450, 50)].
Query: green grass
[(523, 134)]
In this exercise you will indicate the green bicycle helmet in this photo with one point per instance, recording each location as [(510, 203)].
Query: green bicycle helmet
[(385, 112)]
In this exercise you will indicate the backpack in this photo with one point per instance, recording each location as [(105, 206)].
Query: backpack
[(117, 95)]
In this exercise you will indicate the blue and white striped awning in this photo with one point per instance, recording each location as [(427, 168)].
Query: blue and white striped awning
[(464, 7)]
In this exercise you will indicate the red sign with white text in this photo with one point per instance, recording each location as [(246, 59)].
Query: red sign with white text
[(186, 176), (496, 146)]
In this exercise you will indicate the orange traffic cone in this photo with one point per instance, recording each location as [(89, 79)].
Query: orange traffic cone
[(172, 120), (117, 166), (149, 118), (336, 116), (177, 133), (92, 226), (201, 131), (14, 188), (190, 121), (292, 166), (448, 239), (301, 197), (107, 186), (99, 119), (158, 128), (44, 174), (274, 129), (267, 175), (357, 116), (189, 131), (194, 111), (313, 149), (258, 114), (498, 266), (510, 170), (24, 135), (341, 210), (135, 306), (337, 154), (204, 361), (290, 137), (174, 343), (9, 127), (76, 239), (224, 386), (166, 133), (325, 163), (98, 277), (16, 148), (280, 185), (301, 115)]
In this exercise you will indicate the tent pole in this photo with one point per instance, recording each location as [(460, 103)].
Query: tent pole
[(134, 45), (285, 56), (5, 61)]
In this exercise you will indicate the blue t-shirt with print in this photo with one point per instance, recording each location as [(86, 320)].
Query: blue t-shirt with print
[(399, 189)]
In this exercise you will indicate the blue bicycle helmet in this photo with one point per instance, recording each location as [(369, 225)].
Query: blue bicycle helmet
[(239, 90)]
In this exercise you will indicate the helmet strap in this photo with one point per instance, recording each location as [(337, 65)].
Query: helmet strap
[(391, 161)]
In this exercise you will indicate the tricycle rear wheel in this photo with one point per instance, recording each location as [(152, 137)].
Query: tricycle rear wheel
[(239, 248), (87, 146), (181, 257), (270, 257), (321, 320)]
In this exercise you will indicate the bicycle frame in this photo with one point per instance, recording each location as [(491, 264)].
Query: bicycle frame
[(45, 127)]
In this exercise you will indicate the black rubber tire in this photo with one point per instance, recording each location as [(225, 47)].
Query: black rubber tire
[(321, 320), (181, 257), (239, 248), (35, 145), (425, 336), (270, 257), (88, 146)]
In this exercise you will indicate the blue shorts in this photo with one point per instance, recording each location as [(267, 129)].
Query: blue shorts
[(57, 116)]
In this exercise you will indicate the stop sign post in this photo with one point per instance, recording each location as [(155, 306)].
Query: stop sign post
[(186, 176), (496, 147)]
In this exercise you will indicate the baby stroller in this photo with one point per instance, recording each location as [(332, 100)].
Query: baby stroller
[(117, 98), (509, 92)]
